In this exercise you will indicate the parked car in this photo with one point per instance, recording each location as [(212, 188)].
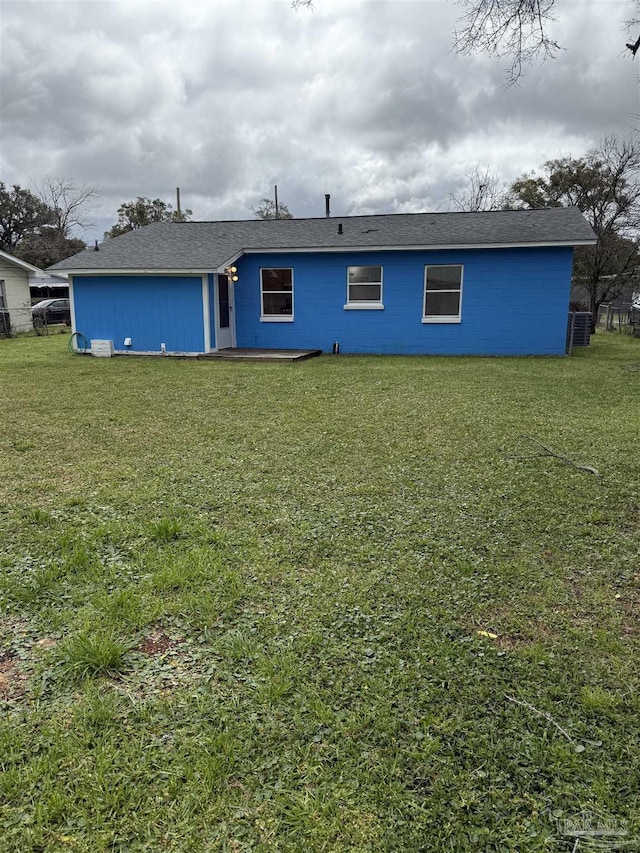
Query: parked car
[(51, 311)]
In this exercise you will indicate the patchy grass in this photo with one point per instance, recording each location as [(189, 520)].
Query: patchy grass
[(91, 653), (166, 530), (280, 607)]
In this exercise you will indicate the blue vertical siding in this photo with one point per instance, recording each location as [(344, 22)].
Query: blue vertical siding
[(514, 302), (149, 309)]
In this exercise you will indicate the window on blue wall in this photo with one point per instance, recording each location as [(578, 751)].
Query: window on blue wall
[(442, 293), (276, 287), (364, 287)]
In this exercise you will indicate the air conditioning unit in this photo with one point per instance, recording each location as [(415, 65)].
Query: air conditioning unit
[(102, 349), (578, 330)]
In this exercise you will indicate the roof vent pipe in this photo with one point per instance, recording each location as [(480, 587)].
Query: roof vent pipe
[(96, 248), (327, 209), (340, 228)]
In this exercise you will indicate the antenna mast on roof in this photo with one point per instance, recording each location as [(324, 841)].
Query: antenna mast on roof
[(275, 192), (178, 211)]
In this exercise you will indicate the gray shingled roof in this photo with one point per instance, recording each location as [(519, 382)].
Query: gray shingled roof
[(206, 246)]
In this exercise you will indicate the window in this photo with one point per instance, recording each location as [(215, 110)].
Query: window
[(364, 287), (276, 295), (442, 294), (3, 295)]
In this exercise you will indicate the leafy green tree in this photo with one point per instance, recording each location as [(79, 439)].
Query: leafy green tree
[(143, 211), (267, 210), (605, 186), (49, 247), (22, 215)]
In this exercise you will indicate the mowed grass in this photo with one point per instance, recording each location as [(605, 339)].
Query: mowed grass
[(256, 607)]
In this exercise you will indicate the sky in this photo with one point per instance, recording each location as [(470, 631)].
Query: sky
[(364, 100)]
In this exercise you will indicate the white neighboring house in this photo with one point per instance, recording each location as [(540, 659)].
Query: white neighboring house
[(15, 297)]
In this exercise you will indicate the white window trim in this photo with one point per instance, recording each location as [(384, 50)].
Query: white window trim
[(442, 318), (365, 306), (276, 318)]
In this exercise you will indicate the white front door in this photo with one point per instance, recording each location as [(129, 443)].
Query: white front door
[(225, 317)]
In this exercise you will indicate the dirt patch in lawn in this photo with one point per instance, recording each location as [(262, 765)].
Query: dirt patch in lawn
[(12, 680), (156, 644), (161, 664)]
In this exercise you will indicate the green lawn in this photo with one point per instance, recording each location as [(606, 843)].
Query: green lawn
[(241, 604)]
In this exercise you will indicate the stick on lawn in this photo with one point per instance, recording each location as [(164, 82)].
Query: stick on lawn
[(538, 713), (561, 457)]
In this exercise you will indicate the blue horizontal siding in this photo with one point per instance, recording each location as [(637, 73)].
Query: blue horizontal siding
[(149, 309), (514, 302)]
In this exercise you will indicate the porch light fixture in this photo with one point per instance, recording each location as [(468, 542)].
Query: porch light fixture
[(231, 273)]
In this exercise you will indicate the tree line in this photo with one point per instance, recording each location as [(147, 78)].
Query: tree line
[(45, 224)]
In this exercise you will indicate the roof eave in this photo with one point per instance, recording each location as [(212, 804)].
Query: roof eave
[(20, 263), (137, 271)]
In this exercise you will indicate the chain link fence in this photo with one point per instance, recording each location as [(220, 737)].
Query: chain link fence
[(616, 317)]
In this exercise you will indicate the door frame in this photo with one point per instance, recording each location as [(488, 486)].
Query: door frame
[(232, 313)]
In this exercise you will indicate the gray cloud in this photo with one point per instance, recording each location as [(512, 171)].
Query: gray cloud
[(364, 100)]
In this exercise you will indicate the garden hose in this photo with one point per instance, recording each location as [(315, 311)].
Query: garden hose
[(81, 343)]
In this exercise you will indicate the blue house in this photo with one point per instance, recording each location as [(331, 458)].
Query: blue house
[(489, 283)]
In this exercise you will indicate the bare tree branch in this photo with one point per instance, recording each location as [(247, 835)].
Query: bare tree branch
[(484, 190), (516, 29), (67, 199), (267, 210)]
